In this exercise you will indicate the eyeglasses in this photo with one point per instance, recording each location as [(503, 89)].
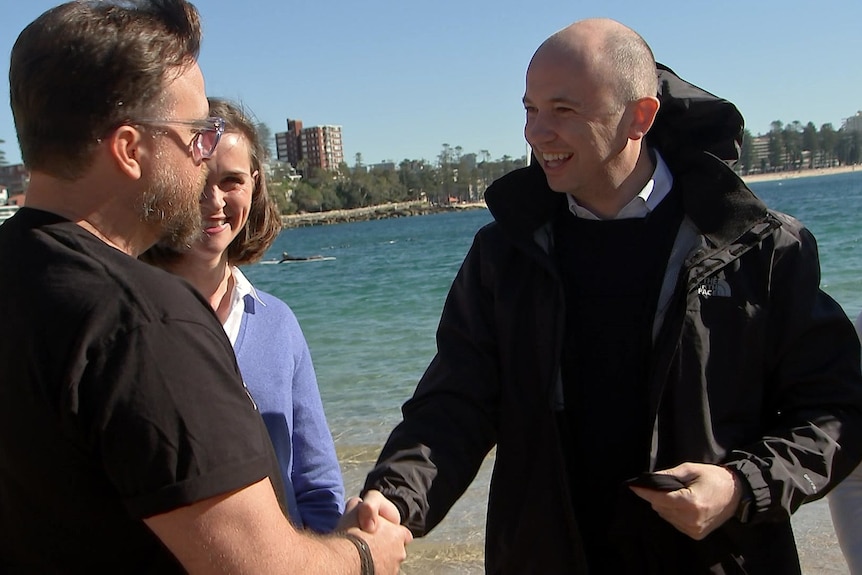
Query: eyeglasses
[(207, 134)]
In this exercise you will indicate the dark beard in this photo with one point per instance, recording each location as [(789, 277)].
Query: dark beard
[(174, 204)]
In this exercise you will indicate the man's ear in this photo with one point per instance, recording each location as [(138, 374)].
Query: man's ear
[(125, 149), (643, 113)]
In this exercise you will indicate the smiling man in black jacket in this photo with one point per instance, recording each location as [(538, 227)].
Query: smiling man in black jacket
[(634, 308)]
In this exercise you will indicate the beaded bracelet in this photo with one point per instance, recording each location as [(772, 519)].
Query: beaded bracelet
[(366, 561)]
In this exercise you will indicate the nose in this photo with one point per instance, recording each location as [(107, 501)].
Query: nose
[(537, 129), (212, 195)]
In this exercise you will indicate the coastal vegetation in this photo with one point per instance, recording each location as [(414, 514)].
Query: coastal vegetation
[(794, 146), (454, 178), (457, 178)]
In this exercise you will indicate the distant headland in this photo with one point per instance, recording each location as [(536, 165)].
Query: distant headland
[(421, 207)]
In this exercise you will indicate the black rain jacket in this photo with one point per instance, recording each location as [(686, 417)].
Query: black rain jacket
[(753, 366)]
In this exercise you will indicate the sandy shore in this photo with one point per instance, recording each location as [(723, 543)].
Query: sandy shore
[(798, 174)]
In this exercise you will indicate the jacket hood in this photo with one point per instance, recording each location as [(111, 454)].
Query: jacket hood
[(690, 118)]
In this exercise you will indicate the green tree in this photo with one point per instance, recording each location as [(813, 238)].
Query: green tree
[(776, 146), (854, 155), (827, 140), (307, 198), (792, 146), (810, 143), (843, 147), (445, 175), (417, 178), (279, 191)]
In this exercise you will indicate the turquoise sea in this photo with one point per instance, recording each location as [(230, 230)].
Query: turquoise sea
[(370, 315)]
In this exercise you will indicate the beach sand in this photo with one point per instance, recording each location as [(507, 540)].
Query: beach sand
[(818, 548), (771, 177)]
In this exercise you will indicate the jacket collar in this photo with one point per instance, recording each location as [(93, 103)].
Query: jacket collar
[(717, 201)]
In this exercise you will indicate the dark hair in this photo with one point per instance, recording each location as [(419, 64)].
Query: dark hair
[(83, 68), (264, 220)]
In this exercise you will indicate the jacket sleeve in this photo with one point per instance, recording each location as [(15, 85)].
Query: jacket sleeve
[(316, 474), (450, 423), (813, 433)]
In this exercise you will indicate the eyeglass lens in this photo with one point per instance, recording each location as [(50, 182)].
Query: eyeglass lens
[(205, 143)]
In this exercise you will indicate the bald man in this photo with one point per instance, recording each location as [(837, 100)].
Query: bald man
[(643, 340)]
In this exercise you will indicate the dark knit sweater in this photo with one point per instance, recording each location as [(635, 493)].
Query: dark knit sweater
[(612, 272)]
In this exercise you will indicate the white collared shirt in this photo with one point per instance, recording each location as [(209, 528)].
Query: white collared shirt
[(655, 190), (241, 288)]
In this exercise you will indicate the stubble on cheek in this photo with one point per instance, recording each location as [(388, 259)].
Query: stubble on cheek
[(174, 203)]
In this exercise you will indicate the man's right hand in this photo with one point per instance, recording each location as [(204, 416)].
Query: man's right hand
[(246, 532), (377, 520), (388, 545)]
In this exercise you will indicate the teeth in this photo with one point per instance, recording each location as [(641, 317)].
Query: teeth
[(214, 223), (552, 157)]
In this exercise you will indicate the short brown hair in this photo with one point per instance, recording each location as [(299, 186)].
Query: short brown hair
[(264, 220), (83, 68)]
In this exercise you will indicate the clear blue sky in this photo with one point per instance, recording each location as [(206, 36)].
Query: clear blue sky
[(403, 77)]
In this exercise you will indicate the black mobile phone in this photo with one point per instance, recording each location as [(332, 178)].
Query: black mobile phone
[(657, 481)]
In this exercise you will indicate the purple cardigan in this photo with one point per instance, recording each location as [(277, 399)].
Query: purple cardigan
[(275, 362)]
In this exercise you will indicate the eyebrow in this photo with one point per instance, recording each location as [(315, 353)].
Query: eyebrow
[(235, 173), (557, 100)]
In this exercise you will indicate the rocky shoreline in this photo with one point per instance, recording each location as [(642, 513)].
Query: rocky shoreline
[(421, 208), (381, 212)]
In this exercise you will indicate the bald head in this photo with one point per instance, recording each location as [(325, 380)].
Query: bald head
[(590, 99), (609, 53)]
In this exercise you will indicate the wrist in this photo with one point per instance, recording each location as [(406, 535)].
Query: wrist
[(745, 506), (366, 561)]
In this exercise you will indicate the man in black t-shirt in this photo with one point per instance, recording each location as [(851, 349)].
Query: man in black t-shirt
[(128, 442)]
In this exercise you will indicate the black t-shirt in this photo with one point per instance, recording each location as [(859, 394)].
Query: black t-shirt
[(120, 399)]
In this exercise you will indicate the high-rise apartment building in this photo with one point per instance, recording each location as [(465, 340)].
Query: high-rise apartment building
[(319, 146), (287, 143)]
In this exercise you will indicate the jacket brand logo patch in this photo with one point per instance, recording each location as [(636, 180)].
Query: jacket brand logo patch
[(713, 287)]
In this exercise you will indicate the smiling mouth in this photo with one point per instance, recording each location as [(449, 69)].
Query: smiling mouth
[(554, 160), (214, 226)]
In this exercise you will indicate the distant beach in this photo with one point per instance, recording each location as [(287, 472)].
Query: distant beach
[(789, 175)]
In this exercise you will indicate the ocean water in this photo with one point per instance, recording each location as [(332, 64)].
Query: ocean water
[(370, 315), (831, 207)]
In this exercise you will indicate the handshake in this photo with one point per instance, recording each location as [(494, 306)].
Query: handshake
[(373, 523)]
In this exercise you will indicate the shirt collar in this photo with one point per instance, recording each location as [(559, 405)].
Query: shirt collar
[(655, 190), (241, 288)]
